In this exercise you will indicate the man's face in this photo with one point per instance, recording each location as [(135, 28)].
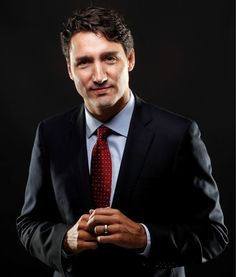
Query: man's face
[(100, 71)]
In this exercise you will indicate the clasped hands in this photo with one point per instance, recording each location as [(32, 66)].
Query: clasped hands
[(104, 226)]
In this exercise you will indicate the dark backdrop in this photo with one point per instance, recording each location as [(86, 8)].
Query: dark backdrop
[(185, 63)]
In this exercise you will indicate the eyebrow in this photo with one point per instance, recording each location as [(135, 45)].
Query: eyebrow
[(83, 59), (90, 58), (109, 53)]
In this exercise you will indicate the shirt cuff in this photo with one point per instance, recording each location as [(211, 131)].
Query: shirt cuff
[(148, 246)]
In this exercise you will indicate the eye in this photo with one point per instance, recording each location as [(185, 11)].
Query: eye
[(110, 59), (83, 62)]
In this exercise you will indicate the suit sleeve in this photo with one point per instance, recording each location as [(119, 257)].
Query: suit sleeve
[(198, 234), (39, 227)]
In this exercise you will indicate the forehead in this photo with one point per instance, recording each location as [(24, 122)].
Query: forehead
[(91, 44)]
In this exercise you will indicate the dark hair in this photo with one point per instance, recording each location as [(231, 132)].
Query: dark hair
[(97, 19)]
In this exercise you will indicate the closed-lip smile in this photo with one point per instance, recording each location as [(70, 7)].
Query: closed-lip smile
[(100, 90)]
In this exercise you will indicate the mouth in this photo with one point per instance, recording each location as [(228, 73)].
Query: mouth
[(100, 90)]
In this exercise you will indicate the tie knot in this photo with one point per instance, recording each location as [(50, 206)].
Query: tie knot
[(103, 132)]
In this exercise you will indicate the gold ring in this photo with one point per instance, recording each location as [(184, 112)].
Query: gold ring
[(105, 229)]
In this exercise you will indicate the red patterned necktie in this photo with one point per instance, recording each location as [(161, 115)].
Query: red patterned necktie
[(101, 169)]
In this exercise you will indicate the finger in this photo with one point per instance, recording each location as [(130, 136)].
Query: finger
[(84, 217), (91, 211), (78, 241), (82, 222), (86, 236), (111, 239), (83, 245), (103, 211), (103, 230), (100, 220), (87, 245), (86, 240)]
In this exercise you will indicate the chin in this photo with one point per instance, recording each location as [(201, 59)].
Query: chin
[(105, 103), (105, 106)]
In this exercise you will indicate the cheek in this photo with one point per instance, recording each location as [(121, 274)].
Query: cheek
[(81, 80), (123, 77), (119, 74)]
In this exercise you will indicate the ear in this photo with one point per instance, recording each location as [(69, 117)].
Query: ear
[(131, 60), (69, 70)]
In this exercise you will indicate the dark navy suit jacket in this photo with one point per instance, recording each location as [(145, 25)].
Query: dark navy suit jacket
[(165, 181)]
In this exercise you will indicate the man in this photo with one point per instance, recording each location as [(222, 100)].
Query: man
[(149, 205)]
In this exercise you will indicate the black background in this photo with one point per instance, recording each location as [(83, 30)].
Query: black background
[(184, 62)]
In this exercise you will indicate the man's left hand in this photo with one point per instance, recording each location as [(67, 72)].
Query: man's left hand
[(113, 227)]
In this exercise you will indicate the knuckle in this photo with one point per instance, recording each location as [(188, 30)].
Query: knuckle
[(82, 218), (117, 218), (119, 236), (93, 220), (96, 211), (116, 211)]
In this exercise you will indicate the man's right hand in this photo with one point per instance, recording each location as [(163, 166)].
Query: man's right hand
[(79, 237)]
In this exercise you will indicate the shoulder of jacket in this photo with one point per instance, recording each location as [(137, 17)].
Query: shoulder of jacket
[(164, 115), (62, 118)]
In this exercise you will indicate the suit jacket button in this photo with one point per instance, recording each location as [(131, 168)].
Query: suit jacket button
[(69, 268)]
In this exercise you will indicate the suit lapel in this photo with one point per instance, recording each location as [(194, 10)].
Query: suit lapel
[(137, 145), (79, 152)]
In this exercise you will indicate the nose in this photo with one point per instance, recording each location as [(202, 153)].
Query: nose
[(99, 74)]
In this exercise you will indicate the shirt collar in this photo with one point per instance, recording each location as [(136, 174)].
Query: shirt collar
[(119, 123)]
